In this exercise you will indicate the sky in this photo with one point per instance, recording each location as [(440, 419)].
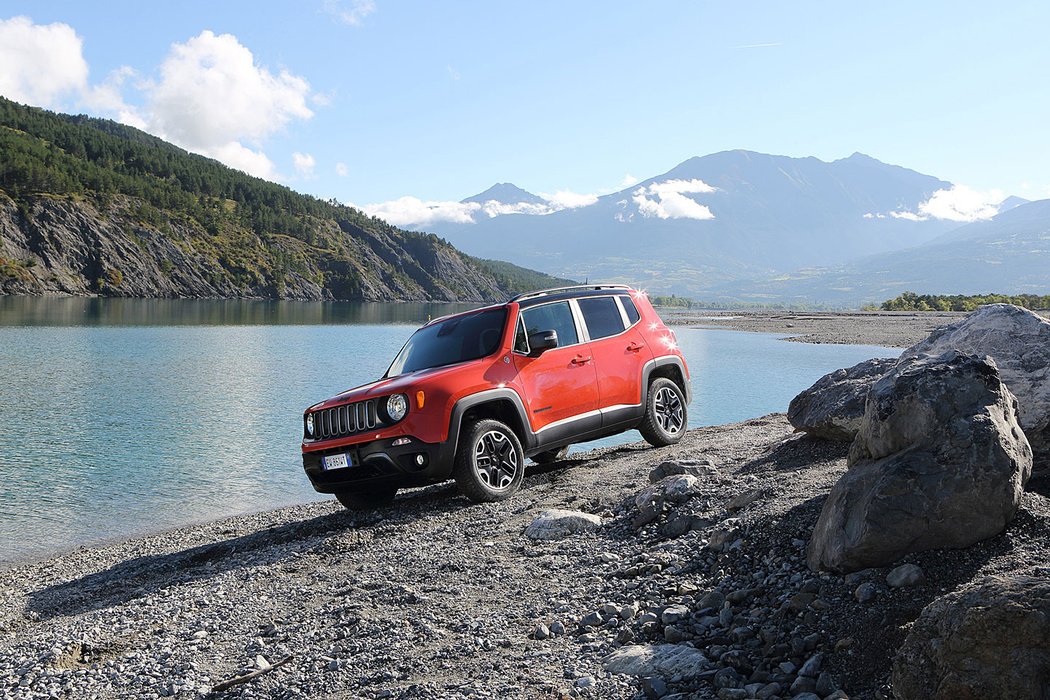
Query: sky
[(396, 105)]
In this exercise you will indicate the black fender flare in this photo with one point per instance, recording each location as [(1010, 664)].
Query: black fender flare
[(657, 362), (455, 423)]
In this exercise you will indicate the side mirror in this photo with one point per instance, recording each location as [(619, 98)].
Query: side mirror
[(542, 341)]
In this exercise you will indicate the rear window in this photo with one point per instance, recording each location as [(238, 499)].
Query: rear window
[(602, 316), (632, 311), (552, 317)]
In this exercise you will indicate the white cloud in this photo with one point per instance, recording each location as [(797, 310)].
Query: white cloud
[(627, 181), (341, 170), (304, 163), (40, 63), (212, 97), (108, 98), (959, 203), (453, 73), (412, 211), (667, 200), (352, 13), (962, 203), (565, 199)]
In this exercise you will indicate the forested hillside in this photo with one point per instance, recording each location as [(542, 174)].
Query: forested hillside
[(89, 206)]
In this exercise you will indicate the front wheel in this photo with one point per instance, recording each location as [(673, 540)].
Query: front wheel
[(665, 414), (367, 498), (490, 463)]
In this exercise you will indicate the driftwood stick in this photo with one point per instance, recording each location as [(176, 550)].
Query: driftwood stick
[(249, 676)]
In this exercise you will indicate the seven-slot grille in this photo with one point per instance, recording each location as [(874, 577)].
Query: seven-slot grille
[(345, 420)]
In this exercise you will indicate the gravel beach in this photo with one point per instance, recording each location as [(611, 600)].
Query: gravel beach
[(895, 329), (435, 597)]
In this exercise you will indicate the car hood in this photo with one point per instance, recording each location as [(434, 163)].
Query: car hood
[(393, 385)]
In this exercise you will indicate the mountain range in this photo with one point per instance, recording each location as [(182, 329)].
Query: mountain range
[(746, 226), (89, 206)]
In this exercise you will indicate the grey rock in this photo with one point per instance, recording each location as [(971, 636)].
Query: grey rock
[(833, 407), (744, 499), (688, 467), (557, 628), (812, 666), (674, 634), (556, 524), (732, 694), (715, 599), (939, 462), (805, 696), (803, 684), (654, 687), (665, 660), (990, 640), (825, 684), (584, 682), (674, 613), (541, 632), (865, 592), (628, 612), (905, 575), (1019, 342), (593, 619), (769, 690)]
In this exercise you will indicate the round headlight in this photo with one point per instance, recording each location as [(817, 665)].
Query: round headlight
[(397, 407), (310, 424)]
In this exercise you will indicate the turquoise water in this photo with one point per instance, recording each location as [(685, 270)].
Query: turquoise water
[(120, 417)]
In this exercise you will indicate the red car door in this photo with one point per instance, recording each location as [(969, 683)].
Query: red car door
[(619, 349), (560, 383)]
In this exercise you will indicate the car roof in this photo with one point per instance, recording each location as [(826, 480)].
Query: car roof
[(544, 296)]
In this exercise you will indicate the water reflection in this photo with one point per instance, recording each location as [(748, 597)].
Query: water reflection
[(89, 311)]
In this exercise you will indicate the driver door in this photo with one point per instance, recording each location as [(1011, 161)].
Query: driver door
[(560, 383)]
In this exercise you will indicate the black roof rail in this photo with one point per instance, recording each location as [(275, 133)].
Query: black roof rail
[(559, 290)]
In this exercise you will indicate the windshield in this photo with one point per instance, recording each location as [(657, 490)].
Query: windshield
[(447, 342)]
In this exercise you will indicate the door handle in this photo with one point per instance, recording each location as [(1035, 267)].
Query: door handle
[(635, 347), (581, 360)]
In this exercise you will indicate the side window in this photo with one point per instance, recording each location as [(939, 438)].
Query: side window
[(632, 311), (521, 341), (556, 317), (602, 316)]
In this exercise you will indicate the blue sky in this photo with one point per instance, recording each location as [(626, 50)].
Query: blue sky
[(386, 99)]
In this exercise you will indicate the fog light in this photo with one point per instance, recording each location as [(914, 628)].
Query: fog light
[(421, 398), (420, 459), (401, 441)]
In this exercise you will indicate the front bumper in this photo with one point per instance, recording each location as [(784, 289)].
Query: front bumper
[(378, 462)]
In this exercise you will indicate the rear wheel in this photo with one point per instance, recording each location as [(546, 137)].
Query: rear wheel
[(665, 414), (490, 464), (367, 498), (550, 456)]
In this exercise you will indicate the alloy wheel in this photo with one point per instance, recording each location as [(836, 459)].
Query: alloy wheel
[(496, 460), (669, 411)]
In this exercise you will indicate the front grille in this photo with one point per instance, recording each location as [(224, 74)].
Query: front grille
[(345, 420)]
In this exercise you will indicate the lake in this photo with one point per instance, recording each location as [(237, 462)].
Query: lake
[(121, 417)]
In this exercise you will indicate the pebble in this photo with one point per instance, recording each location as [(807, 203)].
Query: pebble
[(865, 592), (905, 575)]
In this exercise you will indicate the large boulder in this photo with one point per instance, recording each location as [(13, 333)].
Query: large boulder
[(1019, 342), (939, 462), (556, 524), (990, 641), (833, 407)]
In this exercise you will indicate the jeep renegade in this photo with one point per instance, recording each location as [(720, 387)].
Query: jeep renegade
[(471, 396)]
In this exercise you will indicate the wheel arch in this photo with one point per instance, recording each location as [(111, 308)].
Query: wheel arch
[(502, 404), (669, 367)]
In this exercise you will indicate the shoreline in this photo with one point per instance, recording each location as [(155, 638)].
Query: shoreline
[(895, 329), (436, 597)]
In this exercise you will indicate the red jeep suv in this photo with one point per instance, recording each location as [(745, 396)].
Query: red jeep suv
[(471, 396)]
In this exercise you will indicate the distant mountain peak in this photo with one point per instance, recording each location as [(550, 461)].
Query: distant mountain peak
[(505, 193)]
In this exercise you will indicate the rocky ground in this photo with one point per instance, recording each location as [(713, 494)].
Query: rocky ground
[(897, 329), (698, 585)]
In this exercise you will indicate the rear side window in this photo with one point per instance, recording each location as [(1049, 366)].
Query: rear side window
[(602, 316), (552, 317), (632, 311)]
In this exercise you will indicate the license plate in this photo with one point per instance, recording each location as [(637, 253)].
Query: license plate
[(335, 462)]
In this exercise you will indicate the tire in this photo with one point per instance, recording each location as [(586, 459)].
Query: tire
[(666, 415), (550, 456), (490, 463), (367, 498)]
